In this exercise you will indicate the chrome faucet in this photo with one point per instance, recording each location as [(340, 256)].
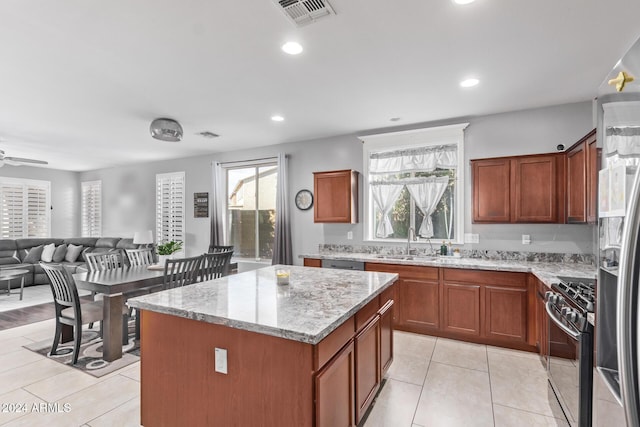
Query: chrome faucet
[(411, 232)]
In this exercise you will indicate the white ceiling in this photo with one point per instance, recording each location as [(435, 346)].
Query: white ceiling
[(80, 81)]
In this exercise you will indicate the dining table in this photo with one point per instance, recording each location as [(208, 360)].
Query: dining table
[(112, 284)]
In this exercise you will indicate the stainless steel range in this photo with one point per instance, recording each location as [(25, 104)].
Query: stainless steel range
[(570, 347)]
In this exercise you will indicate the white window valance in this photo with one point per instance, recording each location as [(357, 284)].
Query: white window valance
[(623, 141), (423, 159)]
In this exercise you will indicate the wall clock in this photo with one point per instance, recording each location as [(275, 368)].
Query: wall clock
[(304, 200)]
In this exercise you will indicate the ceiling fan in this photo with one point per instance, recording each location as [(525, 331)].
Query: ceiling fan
[(17, 161)]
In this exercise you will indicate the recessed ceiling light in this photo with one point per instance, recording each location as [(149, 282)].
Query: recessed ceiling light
[(463, 1), (277, 118), (292, 48), (469, 82)]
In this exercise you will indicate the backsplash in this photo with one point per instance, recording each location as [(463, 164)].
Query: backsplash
[(476, 254)]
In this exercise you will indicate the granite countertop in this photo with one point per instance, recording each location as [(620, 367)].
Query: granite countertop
[(313, 305), (547, 272)]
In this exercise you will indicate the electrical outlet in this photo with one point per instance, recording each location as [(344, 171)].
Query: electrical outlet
[(471, 238), (526, 239), (349, 235), (221, 360)]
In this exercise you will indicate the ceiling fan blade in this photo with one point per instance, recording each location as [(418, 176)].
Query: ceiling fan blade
[(21, 160)]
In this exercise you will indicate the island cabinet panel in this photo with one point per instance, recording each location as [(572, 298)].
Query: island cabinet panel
[(461, 308), (336, 196), (312, 262), (334, 390), (505, 313), (179, 385), (386, 336), (332, 343), (491, 192), (367, 355)]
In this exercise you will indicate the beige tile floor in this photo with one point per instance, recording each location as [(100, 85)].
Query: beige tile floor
[(432, 382)]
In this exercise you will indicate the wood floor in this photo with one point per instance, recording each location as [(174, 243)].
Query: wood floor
[(32, 314)]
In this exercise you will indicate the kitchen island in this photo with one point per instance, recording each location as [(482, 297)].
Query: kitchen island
[(243, 350)]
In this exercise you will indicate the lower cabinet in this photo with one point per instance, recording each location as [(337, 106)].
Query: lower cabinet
[(505, 313), (351, 362), (421, 308), (461, 308), (335, 390)]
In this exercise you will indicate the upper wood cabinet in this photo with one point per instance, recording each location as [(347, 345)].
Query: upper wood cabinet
[(523, 189), (336, 196), (583, 164)]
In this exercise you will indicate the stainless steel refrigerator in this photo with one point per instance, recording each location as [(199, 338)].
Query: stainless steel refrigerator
[(617, 382)]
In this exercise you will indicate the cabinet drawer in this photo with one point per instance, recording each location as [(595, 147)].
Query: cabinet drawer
[(387, 295), (331, 344), (366, 313), (485, 277), (413, 271)]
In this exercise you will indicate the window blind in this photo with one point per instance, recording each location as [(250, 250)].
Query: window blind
[(24, 208), (91, 209), (170, 207)]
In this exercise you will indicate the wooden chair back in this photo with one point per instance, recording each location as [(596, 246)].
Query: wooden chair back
[(143, 256), (104, 261), (63, 287), (218, 248), (215, 265), (181, 271)]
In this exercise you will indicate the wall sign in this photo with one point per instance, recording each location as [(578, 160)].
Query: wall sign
[(201, 205)]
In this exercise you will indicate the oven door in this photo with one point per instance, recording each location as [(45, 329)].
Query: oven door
[(563, 364)]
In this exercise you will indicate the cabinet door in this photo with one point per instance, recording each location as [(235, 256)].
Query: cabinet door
[(505, 313), (593, 168), (335, 391), (367, 356), (491, 193), (420, 305), (535, 189), (312, 262), (336, 196), (386, 337), (461, 308), (542, 327), (577, 184)]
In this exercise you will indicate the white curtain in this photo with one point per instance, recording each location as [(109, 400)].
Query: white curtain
[(427, 195), (385, 196), (425, 159), (282, 250), (217, 206), (623, 145)]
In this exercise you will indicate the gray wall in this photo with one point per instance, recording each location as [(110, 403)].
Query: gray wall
[(65, 196), (129, 203)]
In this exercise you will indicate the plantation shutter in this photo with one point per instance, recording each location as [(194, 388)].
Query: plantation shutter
[(24, 208), (170, 207), (92, 209)]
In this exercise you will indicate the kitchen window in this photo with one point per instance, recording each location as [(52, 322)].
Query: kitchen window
[(251, 209), (91, 209), (415, 179), (170, 188), (24, 208)]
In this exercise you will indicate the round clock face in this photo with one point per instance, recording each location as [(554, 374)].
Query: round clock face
[(304, 200)]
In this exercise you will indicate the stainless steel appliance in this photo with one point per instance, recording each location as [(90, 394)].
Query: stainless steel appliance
[(617, 392), (570, 347)]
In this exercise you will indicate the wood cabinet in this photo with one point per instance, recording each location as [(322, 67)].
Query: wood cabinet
[(505, 313), (386, 336), (312, 262), (367, 360), (522, 189), (582, 180), (542, 327), (334, 390), (461, 308), (336, 196)]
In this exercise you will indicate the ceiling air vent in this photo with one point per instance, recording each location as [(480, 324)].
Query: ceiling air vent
[(303, 12)]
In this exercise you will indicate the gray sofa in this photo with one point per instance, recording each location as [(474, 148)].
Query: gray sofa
[(14, 251)]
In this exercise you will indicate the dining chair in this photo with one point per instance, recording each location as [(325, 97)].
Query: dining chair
[(181, 271), (104, 261), (69, 310), (143, 256), (215, 265), (218, 248)]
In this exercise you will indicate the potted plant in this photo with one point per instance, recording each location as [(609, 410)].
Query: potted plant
[(166, 250)]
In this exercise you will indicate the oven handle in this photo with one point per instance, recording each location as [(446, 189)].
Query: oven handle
[(552, 315)]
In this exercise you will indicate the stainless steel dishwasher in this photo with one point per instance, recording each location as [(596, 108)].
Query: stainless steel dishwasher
[(343, 264)]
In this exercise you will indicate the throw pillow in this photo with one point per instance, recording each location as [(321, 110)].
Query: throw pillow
[(33, 255), (47, 252), (73, 252), (61, 251)]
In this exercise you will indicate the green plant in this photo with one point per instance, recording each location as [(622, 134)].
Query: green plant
[(169, 247)]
